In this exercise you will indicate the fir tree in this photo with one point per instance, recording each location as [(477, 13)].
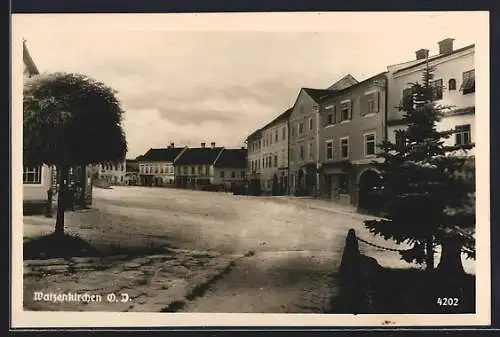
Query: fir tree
[(429, 195)]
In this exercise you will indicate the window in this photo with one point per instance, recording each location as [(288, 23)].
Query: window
[(343, 184), (192, 170), (121, 179), (329, 118), (370, 103), (301, 128), (301, 152), (200, 170), (291, 156), (437, 89), (329, 150), (469, 82), (32, 175), (222, 174), (275, 161), (400, 141), (369, 144), (452, 84), (276, 136), (270, 158), (293, 131), (161, 169), (283, 134), (310, 150), (344, 147), (407, 93), (242, 174), (462, 135), (156, 168), (270, 137), (185, 170), (345, 111), (310, 123), (233, 174)]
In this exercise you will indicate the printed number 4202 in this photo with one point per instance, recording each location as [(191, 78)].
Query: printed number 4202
[(447, 301)]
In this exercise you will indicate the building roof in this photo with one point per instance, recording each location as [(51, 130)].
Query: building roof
[(281, 117), (28, 61), (343, 83), (199, 156), (318, 94), (131, 165), (232, 158), (163, 154), (435, 57), (333, 93)]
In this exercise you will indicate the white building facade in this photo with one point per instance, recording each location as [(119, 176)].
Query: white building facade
[(454, 82)]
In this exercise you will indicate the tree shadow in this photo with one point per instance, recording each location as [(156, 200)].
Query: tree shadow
[(70, 245)]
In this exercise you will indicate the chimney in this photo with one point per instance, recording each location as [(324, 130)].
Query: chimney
[(213, 145), (202, 145), (446, 46), (422, 54)]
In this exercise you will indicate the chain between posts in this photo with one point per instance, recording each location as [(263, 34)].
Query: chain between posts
[(380, 247)]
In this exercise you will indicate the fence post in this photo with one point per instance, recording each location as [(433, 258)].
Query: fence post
[(351, 276)]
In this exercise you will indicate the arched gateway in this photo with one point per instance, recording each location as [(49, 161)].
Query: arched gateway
[(368, 180)]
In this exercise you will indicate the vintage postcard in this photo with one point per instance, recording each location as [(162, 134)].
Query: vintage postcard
[(250, 169)]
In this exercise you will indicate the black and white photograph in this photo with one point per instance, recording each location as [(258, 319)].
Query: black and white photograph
[(228, 169)]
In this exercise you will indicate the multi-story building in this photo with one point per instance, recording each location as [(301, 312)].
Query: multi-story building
[(230, 168), (454, 86), (303, 144), (194, 168), (304, 128), (352, 123), (254, 144), (268, 155), (111, 173), (156, 166), (131, 172)]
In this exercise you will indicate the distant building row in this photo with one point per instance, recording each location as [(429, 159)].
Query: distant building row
[(323, 145), (187, 167)]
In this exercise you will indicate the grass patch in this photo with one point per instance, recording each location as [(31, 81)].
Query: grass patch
[(71, 245)]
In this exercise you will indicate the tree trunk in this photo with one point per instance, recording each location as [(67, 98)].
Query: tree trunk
[(429, 250), (451, 257), (62, 172)]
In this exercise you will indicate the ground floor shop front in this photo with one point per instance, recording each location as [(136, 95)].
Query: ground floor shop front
[(351, 184)]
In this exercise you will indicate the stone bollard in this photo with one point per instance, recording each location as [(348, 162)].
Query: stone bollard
[(48, 209), (351, 276)]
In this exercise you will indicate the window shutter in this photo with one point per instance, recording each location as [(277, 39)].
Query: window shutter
[(377, 101), (364, 104)]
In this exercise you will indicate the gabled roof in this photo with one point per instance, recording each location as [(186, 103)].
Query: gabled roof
[(317, 94), (163, 154), (199, 156), (333, 93), (435, 57), (232, 158), (28, 61), (343, 83)]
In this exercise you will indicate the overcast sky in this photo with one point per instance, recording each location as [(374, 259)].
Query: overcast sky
[(188, 79)]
